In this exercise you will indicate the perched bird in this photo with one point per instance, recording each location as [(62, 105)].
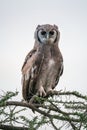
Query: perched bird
[(43, 65)]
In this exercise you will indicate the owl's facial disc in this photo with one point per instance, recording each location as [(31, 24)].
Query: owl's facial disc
[(47, 36)]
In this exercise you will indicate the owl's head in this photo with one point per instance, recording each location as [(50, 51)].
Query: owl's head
[(47, 34)]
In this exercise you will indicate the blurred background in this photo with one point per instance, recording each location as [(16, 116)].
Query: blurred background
[(18, 20)]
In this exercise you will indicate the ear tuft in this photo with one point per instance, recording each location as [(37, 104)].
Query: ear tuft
[(38, 26), (55, 26)]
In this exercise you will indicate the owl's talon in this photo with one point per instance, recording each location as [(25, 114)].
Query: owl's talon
[(50, 92), (41, 92), (32, 100)]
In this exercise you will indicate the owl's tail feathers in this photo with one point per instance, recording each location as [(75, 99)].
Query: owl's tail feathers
[(25, 90)]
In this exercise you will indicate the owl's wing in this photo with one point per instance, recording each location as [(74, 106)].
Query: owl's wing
[(60, 72), (30, 71)]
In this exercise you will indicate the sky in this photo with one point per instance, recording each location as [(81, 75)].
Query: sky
[(18, 20)]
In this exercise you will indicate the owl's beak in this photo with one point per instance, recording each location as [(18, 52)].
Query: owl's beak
[(47, 37)]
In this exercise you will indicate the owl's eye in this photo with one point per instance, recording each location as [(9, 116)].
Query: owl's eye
[(51, 32), (43, 33)]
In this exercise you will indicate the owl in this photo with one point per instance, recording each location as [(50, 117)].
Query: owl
[(43, 65)]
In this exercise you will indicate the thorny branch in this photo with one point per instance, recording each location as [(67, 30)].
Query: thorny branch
[(70, 108)]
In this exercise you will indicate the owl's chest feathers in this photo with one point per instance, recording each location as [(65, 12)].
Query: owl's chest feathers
[(51, 63), (51, 56), (50, 67)]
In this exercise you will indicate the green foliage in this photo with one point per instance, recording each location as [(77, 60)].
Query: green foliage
[(67, 108), (7, 96)]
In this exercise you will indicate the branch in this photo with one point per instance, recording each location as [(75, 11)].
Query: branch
[(75, 93), (40, 111), (8, 127), (62, 106)]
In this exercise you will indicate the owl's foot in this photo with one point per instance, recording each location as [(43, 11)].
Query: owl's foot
[(50, 91), (32, 100), (41, 92)]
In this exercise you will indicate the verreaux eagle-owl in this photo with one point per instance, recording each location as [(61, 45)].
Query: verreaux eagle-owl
[(43, 65)]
